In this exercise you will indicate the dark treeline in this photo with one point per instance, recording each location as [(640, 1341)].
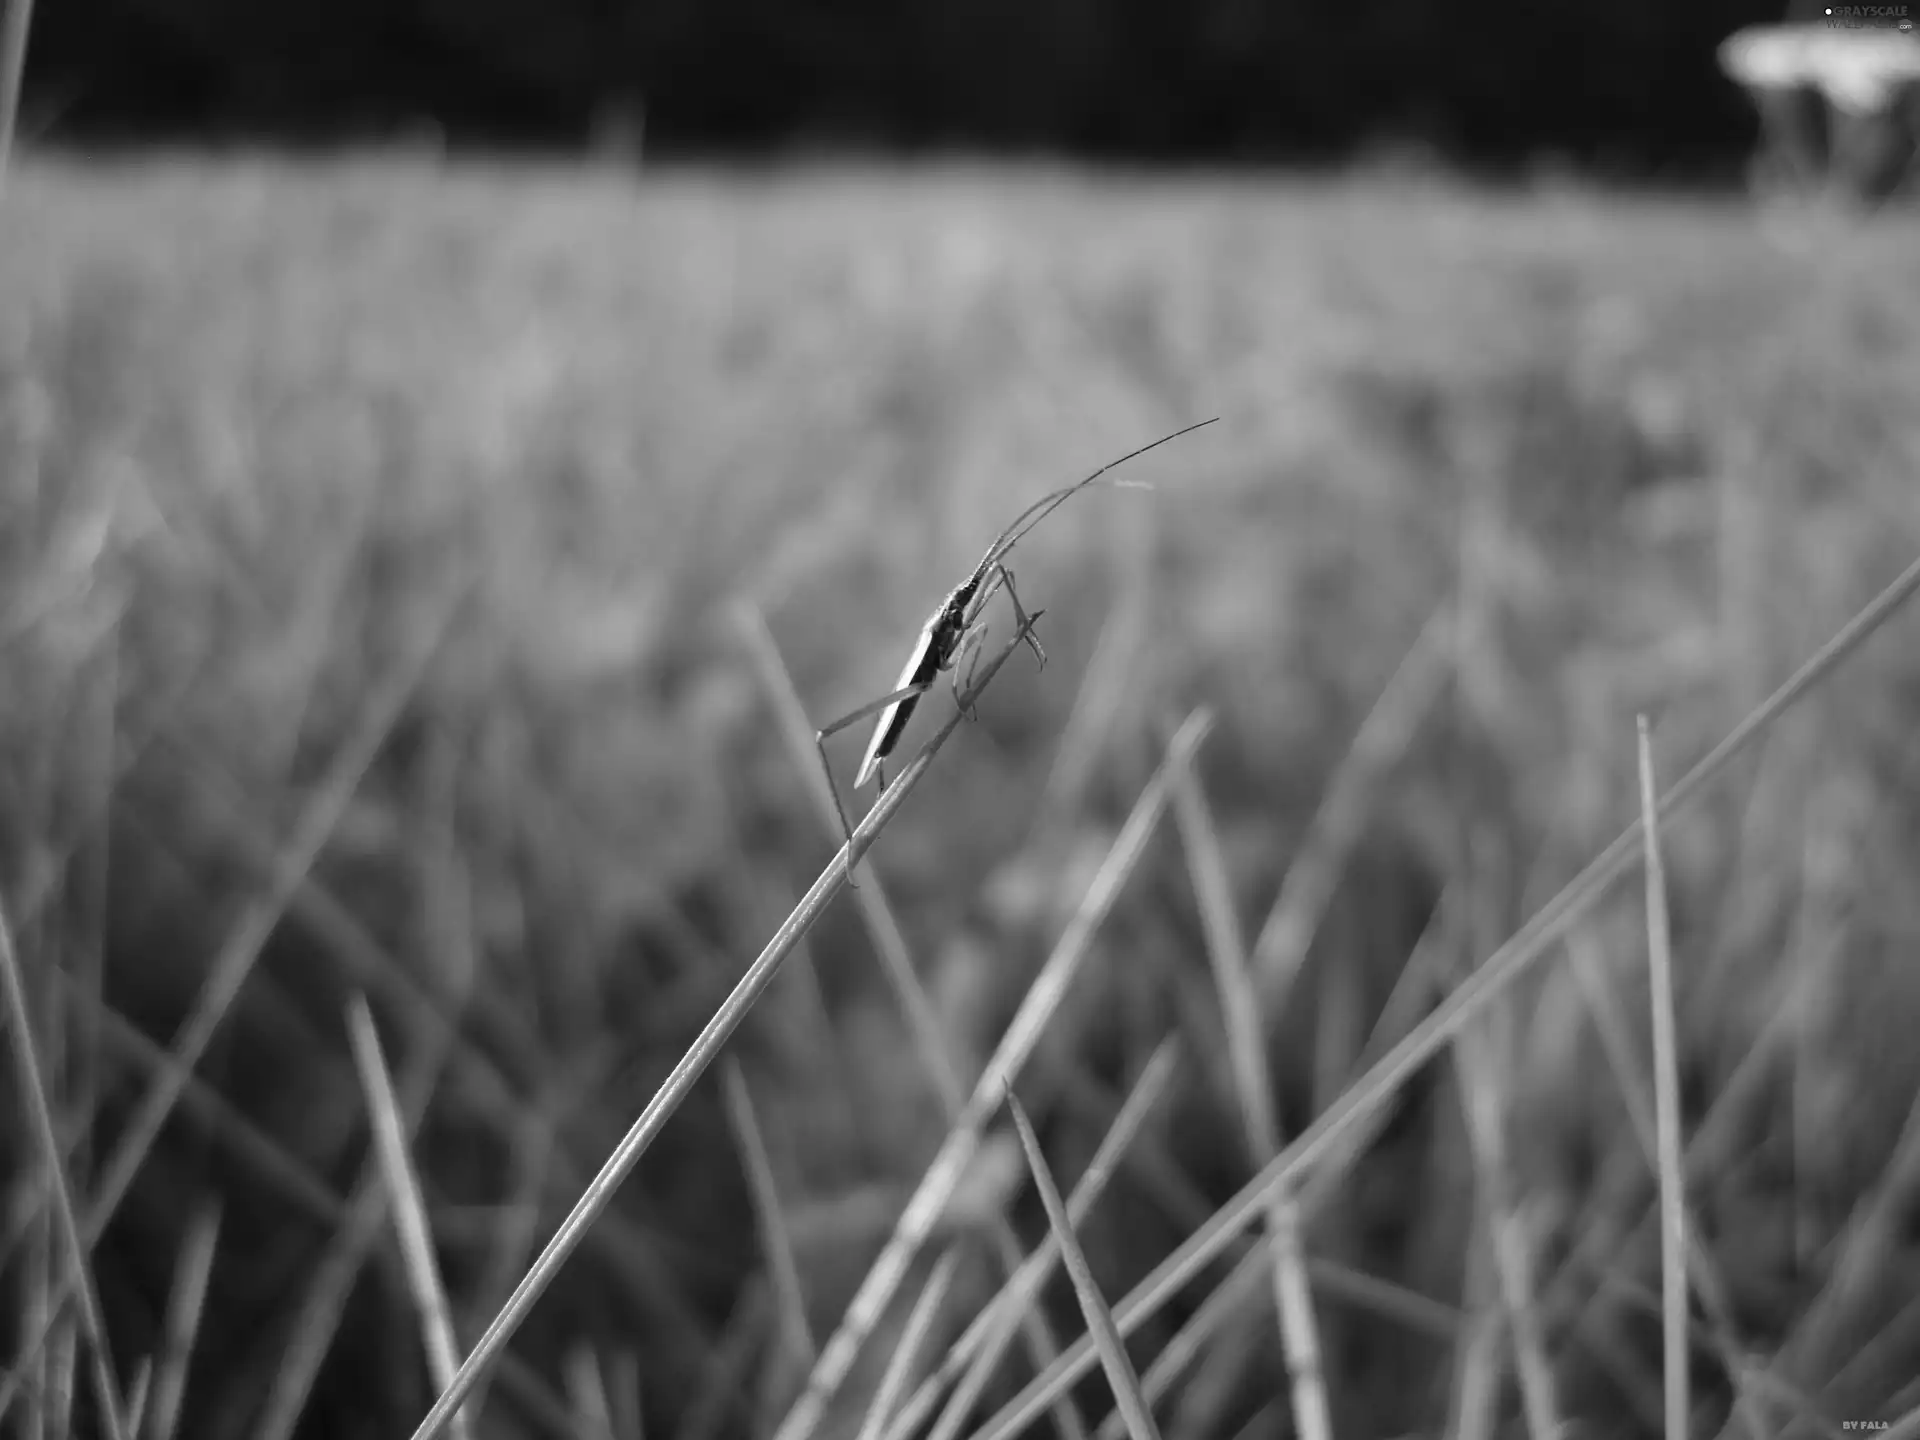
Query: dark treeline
[(1626, 84)]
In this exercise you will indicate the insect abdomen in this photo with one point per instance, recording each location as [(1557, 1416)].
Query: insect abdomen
[(918, 674)]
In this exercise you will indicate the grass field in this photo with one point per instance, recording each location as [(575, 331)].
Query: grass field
[(379, 547)]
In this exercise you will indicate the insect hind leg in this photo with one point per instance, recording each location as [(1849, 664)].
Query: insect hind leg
[(833, 789), (832, 728), (1021, 618), (971, 640), (1027, 624)]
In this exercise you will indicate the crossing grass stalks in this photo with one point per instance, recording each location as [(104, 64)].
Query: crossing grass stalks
[(1121, 1375), (389, 604)]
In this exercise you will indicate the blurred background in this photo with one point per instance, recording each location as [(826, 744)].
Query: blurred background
[(1627, 88), (451, 455)]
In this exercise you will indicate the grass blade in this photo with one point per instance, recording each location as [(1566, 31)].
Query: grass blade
[(722, 1392), (931, 1043), (1106, 1335), (365, 963), (987, 1338), (1703, 1271), (1240, 1012), (587, 1387), (900, 1364), (1535, 939), (706, 1046), (235, 961), (182, 1322), (790, 1301), (409, 1209), (13, 65), (1482, 1058), (1231, 1299), (79, 1278), (1666, 1101), (1280, 947), (923, 1211), (338, 1270)]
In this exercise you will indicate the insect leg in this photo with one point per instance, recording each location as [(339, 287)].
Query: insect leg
[(1004, 576), (971, 639), (984, 594), (998, 576), (833, 789), (834, 727), (872, 707), (1027, 623)]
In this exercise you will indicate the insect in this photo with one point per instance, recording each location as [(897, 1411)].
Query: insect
[(954, 629)]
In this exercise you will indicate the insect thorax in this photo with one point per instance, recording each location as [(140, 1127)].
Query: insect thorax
[(951, 622)]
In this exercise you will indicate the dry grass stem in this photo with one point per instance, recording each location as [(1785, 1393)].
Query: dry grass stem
[(720, 1396), (917, 1222), (1534, 940), (1098, 704), (1241, 1014), (13, 64), (182, 1323), (1233, 1300), (1105, 1334), (235, 961), (776, 1246), (409, 1208), (931, 1043), (317, 1319), (1482, 1056), (79, 1278), (345, 940), (376, 670), (674, 1090), (1666, 1102), (984, 1342), (139, 1387), (913, 1338), (1702, 1271), (1280, 947), (1474, 1401), (587, 1391)]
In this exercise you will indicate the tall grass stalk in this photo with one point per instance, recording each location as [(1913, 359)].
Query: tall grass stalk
[(13, 68), (1539, 937), (706, 1047), (984, 1342), (918, 1221), (323, 1307), (79, 1277), (776, 1244), (1121, 1375), (1666, 1100), (1245, 1025), (931, 1045), (409, 1207), (231, 967), (926, 1312), (1288, 930), (1610, 1022), (185, 1305)]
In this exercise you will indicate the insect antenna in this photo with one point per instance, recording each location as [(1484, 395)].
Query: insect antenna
[(1053, 500), (950, 631)]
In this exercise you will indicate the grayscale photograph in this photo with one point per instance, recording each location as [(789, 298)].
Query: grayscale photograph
[(834, 720)]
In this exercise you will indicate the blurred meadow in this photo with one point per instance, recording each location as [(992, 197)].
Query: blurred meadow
[(380, 550)]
